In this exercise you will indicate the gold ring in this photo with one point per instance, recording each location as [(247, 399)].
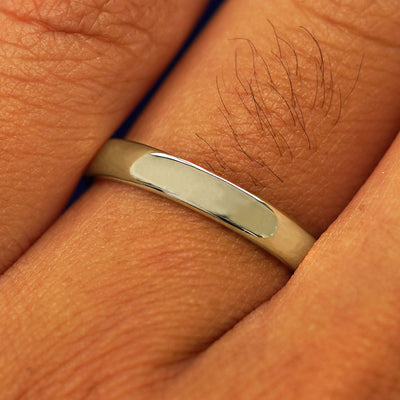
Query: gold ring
[(186, 183)]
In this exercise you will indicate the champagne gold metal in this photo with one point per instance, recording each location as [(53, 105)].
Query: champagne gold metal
[(140, 165)]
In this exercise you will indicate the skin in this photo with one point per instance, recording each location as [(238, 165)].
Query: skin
[(128, 295), (69, 75)]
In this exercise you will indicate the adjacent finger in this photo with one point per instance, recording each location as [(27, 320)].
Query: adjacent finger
[(69, 73), (333, 331), (143, 282)]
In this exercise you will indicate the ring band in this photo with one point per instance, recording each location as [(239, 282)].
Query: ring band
[(186, 183)]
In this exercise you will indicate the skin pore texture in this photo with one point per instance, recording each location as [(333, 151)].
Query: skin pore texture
[(70, 72), (128, 295)]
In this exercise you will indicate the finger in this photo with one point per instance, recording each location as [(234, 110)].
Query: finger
[(170, 282), (69, 73), (333, 331)]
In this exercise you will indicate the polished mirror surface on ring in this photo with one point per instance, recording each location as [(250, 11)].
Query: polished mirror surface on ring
[(205, 191)]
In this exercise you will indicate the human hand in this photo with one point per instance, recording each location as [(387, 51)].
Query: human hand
[(130, 296)]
